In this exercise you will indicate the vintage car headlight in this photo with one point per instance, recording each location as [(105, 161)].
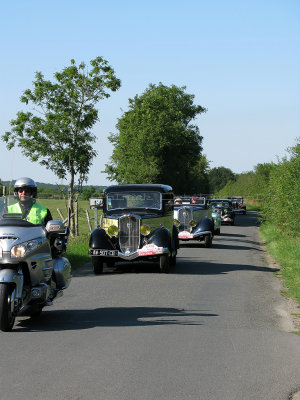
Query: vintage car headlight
[(20, 250), (145, 230), (113, 230), (192, 223), (176, 222)]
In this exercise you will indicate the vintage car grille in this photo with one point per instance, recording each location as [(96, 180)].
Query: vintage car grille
[(129, 234), (185, 215)]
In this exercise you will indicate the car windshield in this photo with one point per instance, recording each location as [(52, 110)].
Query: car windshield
[(136, 199), (220, 204)]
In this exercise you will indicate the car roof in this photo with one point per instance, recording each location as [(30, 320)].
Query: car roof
[(139, 187)]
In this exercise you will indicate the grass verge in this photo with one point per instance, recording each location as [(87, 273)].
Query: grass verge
[(285, 250), (77, 251)]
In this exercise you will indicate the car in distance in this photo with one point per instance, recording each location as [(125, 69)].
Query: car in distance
[(238, 204), (217, 220), (193, 219), (136, 225), (225, 209)]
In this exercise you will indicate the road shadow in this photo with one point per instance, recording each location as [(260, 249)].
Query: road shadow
[(252, 218), (192, 267), (112, 316), (217, 244)]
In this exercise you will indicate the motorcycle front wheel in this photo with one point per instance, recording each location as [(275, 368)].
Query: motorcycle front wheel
[(7, 315)]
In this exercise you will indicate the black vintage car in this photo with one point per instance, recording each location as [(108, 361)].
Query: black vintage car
[(193, 218), (225, 209), (136, 225)]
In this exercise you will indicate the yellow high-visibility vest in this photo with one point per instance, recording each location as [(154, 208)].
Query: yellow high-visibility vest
[(36, 214)]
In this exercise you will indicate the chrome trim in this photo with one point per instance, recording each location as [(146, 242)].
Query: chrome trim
[(134, 255), (201, 233), (130, 239), (195, 235)]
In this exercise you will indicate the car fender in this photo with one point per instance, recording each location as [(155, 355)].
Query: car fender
[(206, 224), (161, 237), (100, 240)]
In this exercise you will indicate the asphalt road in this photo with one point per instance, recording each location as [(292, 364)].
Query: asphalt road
[(214, 328)]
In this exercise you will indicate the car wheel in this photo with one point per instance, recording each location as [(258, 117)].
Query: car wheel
[(164, 263), (97, 265), (110, 264), (208, 241), (173, 260)]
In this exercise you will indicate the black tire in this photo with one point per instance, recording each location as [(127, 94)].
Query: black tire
[(217, 231), (164, 263), (97, 265), (110, 264), (7, 315), (207, 241), (173, 261)]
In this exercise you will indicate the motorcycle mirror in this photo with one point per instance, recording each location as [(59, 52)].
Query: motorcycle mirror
[(55, 225)]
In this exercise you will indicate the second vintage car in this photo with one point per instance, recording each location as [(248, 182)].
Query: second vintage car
[(193, 218), (224, 208), (136, 225)]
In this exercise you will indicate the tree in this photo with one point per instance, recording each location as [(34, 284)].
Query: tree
[(57, 134), (156, 142), (88, 192), (218, 177), (199, 183)]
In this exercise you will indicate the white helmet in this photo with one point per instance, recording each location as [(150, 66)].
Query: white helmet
[(25, 183)]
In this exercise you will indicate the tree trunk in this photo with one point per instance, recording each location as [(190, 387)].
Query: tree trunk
[(71, 202), (76, 215)]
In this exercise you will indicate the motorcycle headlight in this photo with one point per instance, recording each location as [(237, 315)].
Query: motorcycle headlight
[(20, 250), (145, 230), (193, 223), (113, 230), (176, 222)]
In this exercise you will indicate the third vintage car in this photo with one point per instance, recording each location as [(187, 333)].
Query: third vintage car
[(193, 218), (238, 204), (136, 225)]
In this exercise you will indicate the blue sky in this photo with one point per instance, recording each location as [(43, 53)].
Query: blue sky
[(241, 60)]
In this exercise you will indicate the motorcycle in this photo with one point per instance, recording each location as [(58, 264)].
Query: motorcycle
[(33, 271)]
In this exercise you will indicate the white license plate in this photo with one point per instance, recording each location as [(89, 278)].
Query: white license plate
[(106, 253)]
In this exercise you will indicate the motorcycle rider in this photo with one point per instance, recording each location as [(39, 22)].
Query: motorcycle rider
[(25, 190)]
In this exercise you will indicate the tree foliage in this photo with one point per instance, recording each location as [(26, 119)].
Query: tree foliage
[(282, 199), (277, 187), (57, 132), (218, 177), (156, 141)]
